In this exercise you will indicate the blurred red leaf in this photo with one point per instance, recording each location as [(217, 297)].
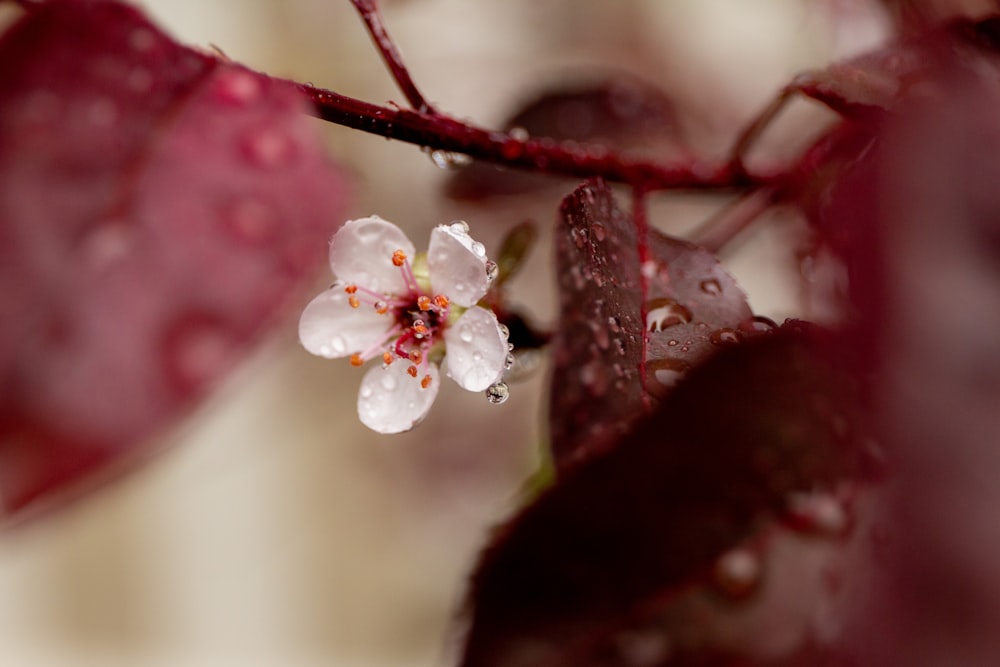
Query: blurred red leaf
[(623, 533), (158, 207), (620, 113)]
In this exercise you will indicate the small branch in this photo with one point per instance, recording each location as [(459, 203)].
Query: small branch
[(719, 230), (440, 132), (370, 14)]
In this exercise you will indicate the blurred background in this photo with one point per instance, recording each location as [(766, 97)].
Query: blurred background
[(273, 529)]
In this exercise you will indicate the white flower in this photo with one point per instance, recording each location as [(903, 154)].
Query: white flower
[(380, 308)]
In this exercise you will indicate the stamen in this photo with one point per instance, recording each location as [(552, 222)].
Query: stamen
[(441, 301), (419, 328), (351, 289), (426, 382), (381, 307), (356, 360), (387, 358), (353, 300), (398, 258), (424, 303), (416, 356), (412, 370)]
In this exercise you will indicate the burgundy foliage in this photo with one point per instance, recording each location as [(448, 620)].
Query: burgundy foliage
[(625, 114), (158, 207), (635, 315), (620, 534)]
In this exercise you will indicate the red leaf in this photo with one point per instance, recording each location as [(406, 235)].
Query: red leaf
[(622, 113), (621, 319), (614, 540), (158, 207)]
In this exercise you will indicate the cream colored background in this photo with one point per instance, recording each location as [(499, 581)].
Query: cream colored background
[(273, 529)]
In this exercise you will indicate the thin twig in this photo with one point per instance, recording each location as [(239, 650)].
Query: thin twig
[(440, 132), (719, 230), (370, 14)]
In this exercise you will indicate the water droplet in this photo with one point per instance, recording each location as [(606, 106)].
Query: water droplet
[(497, 393), (338, 344), (388, 382), (668, 372), (664, 313), (577, 276), (579, 237), (142, 40), (672, 342), (711, 287), (594, 378), (465, 333), (267, 147), (598, 230), (620, 347), (601, 336), (725, 336), (238, 87), (760, 324), (460, 226), (198, 350), (479, 249), (102, 112), (737, 572), (504, 331), (448, 160), (108, 243), (460, 287), (477, 356), (817, 511), (614, 324), (492, 270), (519, 133), (366, 391), (251, 221), (508, 362), (598, 277), (649, 269), (140, 80)]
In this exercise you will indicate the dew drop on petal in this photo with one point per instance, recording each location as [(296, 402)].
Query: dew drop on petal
[(449, 160), (597, 229), (238, 87), (479, 249), (497, 393), (460, 226), (519, 133), (492, 270), (504, 331), (388, 382), (509, 361), (465, 334), (366, 391), (269, 148)]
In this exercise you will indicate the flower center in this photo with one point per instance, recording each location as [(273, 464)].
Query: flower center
[(418, 316)]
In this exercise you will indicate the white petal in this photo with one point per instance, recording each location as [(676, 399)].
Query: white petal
[(330, 328), (456, 265), (361, 253), (390, 401), (475, 349)]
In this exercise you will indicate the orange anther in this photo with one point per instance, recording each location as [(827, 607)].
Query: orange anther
[(351, 289), (381, 307), (353, 300), (424, 303), (356, 360), (419, 329), (387, 358), (398, 258), (412, 370), (426, 382), (416, 356), (441, 301)]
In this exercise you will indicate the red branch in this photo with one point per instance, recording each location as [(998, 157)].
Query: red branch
[(439, 132)]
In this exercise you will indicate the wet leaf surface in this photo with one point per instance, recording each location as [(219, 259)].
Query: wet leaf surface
[(158, 207), (623, 534)]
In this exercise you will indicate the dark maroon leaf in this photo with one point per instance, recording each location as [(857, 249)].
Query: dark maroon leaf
[(622, 318), (620, 113), (626, 532), (158, 207), (597, 346)]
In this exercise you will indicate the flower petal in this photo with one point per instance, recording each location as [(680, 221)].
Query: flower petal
[(330, 328), (361, 253), (456, 264), (476, 349), (390, 401)]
